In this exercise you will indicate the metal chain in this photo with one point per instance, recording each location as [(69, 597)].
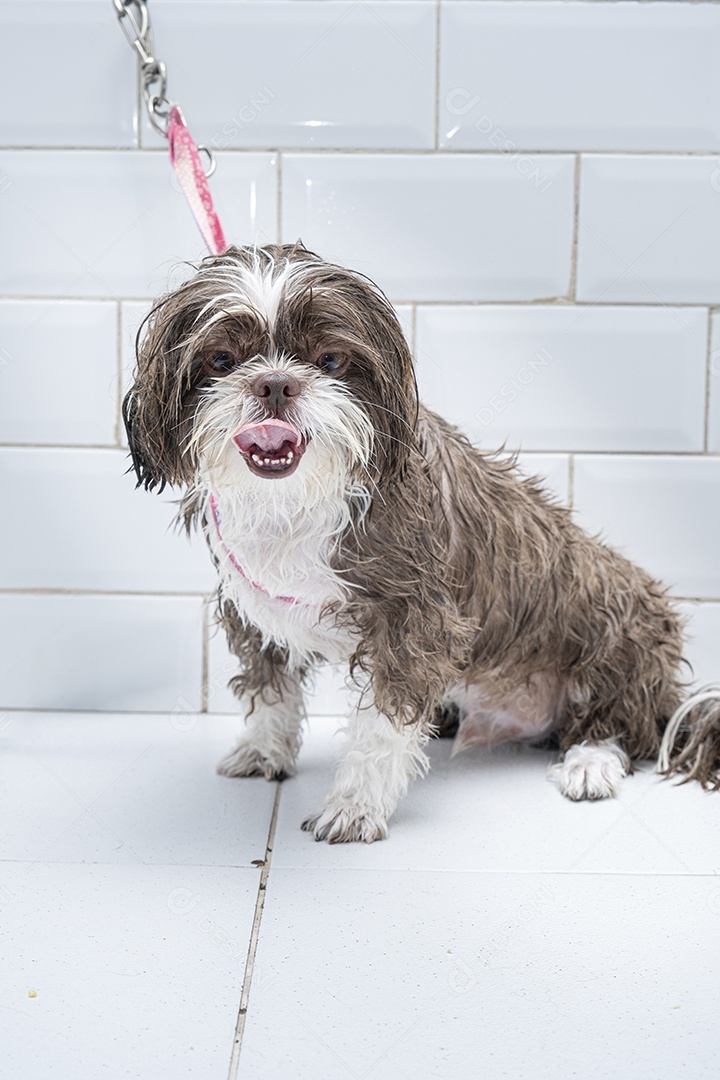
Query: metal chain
[(167, 119), (134, 20)]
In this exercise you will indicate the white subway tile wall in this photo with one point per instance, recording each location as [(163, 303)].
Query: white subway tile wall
[(535, 183), (341, 75), (126, 653), (703, 635), (437, 226), (547, 378), (649, 229), (114, 224), (663, 512), (579, 76), (58, 372), (65, 80), (80, 524)]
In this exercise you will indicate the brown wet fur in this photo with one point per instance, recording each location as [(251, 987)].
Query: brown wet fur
[(464, 570)]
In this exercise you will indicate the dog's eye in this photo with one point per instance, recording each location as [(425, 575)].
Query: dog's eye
[(332, 363), (221, 363)]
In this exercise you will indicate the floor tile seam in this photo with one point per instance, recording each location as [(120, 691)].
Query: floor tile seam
[(254, 938), (497, 872), (179, 866)]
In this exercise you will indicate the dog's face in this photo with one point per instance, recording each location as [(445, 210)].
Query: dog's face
[(271, 367)]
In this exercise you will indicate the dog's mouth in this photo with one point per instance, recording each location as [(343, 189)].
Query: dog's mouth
[(272, 448)]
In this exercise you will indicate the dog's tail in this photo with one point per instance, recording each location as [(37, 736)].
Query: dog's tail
[(691, 742)]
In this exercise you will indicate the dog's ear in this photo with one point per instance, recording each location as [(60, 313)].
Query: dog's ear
[(157, 410), (385, 380), (393, 403), (349, 309)]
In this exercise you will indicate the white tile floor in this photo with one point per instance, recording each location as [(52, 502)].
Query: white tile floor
[(500, 932)]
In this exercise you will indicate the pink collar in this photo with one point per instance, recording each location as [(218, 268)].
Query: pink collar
[(285, 599)]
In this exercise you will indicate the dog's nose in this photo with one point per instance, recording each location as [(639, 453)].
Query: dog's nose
[(274, 388)]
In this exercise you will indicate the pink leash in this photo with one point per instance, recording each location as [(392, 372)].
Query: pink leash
[(167, 119), (187, 163)]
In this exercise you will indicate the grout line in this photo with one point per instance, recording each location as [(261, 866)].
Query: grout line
[(679, 454), (36, 298), (571, 482), (387, 151), (61, 446), (89, 148), (708, 385), (252, 948), (278, 206), (42, 590), (544, 301), (119, 375), (205, 665), (139, 105), (558, 301), (96, 710), (484, 448), (572, 284), (420, 868), (413, 329), (499, 870), (424, 151), (696, 599), (438, 21)]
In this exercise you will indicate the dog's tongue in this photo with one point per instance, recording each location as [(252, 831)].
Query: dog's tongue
[(268, 436)]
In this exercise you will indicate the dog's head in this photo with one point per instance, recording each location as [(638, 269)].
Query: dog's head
[(271, 364)]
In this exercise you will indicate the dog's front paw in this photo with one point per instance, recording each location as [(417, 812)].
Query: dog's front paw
[(340, 823), (248, 760), (590, 771)]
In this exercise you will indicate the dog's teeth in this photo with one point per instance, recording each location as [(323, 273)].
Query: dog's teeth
[(274, 462)]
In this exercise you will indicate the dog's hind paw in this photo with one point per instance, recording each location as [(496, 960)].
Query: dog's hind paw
[(590, 770), (340, 823), (248, 760)]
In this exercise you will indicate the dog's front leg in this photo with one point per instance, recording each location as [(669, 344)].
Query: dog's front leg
[(374, 774), (272, 737)]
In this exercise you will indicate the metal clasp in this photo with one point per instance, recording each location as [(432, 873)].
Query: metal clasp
[(134, 20), (138, 33)]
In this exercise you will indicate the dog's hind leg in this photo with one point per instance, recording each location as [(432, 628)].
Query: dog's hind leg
[(590, 770)]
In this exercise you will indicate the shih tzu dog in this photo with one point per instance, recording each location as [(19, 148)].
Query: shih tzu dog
[(349, 524)]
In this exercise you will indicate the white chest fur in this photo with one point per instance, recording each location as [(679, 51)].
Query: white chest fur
[(273, 561)]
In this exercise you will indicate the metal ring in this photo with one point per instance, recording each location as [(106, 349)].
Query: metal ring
[(159, 116), (154, 71), (212, 160)]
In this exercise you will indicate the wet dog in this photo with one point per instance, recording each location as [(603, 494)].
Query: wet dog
[(349, 524)]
